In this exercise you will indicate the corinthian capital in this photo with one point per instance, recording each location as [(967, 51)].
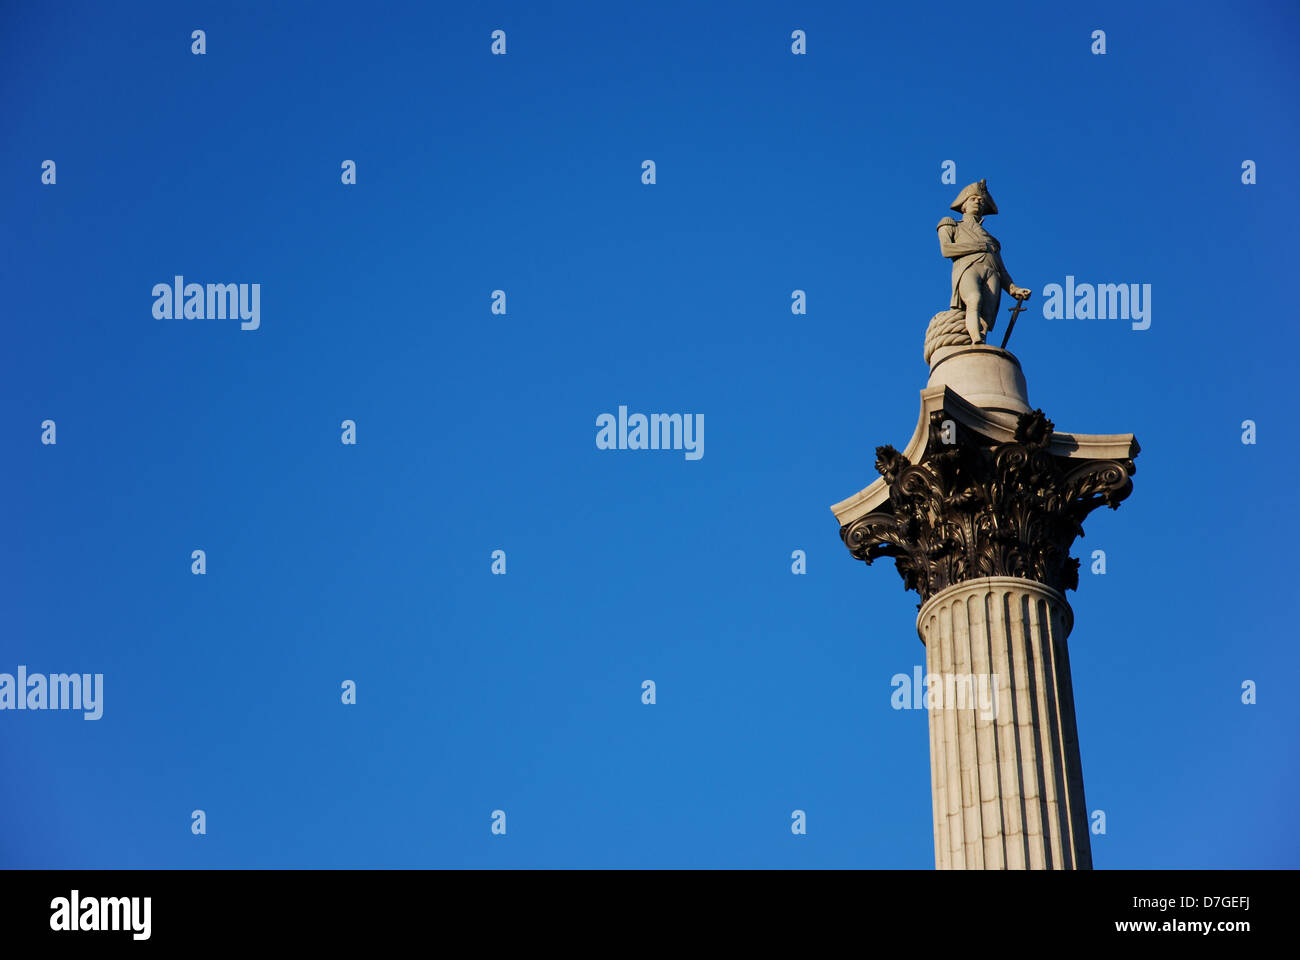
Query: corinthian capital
[(974, 505)]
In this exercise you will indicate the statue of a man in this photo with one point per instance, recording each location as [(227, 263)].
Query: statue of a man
[(978, 275)]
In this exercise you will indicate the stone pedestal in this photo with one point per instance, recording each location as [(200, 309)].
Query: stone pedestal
[(1006, 778), (984, 376)]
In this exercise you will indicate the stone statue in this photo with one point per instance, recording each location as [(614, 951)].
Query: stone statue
[(978, 274)]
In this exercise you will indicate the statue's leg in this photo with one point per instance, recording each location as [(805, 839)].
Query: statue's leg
[(970, 288), (990, 298)]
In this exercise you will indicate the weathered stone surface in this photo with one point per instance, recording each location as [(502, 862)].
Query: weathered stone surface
[(988, 377), (1007, 784)]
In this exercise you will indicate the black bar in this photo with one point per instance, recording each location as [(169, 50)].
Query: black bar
[(332, 909)]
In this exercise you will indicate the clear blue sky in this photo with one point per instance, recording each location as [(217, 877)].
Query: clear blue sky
[(476, 432)]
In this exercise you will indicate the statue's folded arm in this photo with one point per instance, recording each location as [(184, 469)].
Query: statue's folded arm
[(952, 249)]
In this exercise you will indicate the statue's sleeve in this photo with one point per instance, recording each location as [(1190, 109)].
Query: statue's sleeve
[(948, 244)]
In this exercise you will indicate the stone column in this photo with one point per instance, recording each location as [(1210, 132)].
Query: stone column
[(1006, 778), (979, 513)]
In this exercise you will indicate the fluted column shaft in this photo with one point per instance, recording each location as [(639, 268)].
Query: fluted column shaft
[(1007, 781)]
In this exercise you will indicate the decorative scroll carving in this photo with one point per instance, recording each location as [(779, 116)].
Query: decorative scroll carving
[(974, 508)]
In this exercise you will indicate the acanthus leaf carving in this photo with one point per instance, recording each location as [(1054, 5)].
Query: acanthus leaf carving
[(976, 508)]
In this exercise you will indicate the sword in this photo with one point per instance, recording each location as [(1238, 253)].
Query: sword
[(1015, 312)]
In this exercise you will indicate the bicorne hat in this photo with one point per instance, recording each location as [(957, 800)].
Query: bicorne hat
[(976, 189)]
